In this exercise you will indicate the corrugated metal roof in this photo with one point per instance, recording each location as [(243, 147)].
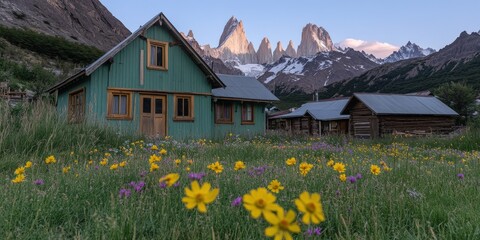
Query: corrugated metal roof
[(395, 104), (324, 110), (243, 87), (112, 52)]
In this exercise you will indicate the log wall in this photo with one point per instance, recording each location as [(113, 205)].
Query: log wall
[(418, 125)]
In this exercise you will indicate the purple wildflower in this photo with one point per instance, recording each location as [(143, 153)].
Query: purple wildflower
[(143, 174), (461, 176), (162, 185), (196, 176), (137, 186), (237, 201), (176, 184), (351, 179), (257, 171), (309, 232), (317, 231), (359, 176), (125, 193), (39, 182)]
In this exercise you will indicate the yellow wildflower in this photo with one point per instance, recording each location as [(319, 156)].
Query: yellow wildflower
[(291, 161), (305, 168), (66, 169), (154, 158), (311, 207), (154, 148), (104, 162), (275, 186), (20, 170), (330, 163), (339, 167), (153, 167), (170, 179), (50, 159), (187, 169), (178, 161), (107, 155), (163, 152), (198, 196), (122, 164), (28, 164), (239, 165), (216, 167), (375, 169), (259, 201), (343, 177), (282, 225), (19, 178), (114, 166)]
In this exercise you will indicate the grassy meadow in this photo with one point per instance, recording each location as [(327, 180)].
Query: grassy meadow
[(77, 181)]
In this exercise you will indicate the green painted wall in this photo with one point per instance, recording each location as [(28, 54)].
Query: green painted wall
[(62, 99), (183, 75), (221, 130)]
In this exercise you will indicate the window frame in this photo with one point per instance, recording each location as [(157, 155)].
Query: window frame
[(223, 120), (191, 108), (252, 114), (115, 116), (70, 114), (163, 45)]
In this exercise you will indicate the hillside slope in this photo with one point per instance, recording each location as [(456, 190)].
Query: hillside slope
[(86, 21)]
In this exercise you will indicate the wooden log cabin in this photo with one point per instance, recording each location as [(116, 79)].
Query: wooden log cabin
[(317, 118), (377, 115)]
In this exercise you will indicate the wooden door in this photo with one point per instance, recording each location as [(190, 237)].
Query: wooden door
[(152, 115)]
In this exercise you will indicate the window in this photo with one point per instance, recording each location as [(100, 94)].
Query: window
[(247, 113), (157, 55), (183, 108), (119, 105), (223, 112), (76, 106)]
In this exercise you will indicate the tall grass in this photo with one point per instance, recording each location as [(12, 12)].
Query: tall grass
[(35, 129), (420, 198)]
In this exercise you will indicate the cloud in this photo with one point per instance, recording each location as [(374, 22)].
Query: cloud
[(378, 49)]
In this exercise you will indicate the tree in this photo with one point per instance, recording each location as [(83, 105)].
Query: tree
[(459, 97)]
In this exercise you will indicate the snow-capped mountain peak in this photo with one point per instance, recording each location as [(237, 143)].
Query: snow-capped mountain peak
[(410, 50)]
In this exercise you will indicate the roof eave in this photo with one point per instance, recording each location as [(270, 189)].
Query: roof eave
[(66, 81), (244, 99)]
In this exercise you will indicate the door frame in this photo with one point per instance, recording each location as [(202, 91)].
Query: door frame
[(165, 109)]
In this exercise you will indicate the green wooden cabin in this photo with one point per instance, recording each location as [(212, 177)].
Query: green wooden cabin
[(154, 83)]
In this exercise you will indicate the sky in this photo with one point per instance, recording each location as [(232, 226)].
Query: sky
[(381, 23)]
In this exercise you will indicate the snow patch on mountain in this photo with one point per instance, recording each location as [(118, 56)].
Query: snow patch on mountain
[(251, 70)]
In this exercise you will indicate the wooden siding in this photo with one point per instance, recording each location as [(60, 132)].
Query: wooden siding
[(334, 127), (418, 125), (309, 126), (221, 130), (363, 123)]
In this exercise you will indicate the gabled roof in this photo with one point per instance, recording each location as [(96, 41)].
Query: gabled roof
[(396, 104), (326, 110), (242, 87), (158, 19)]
